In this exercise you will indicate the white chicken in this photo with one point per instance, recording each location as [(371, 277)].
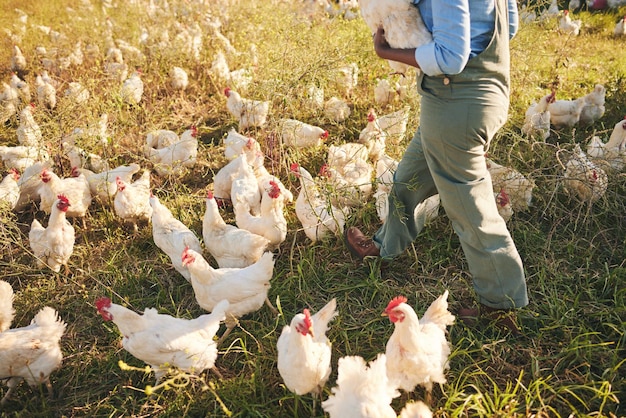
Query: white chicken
[(362, 390), (10, 190), (179, 80), (249, 113), (18, 61), (245, 187), (223, 179), (595, 147), (164, 341), (132, 200), (620, 27), (385, 169), (95, 131), (219, 66), (314, 97), (550, 12), (351, 184), (46, 93), (417, 351), (22, 87), (76, 93), (394, 124), (76, 189), (402, 22), (373, 137), (131, 91), (244, 288), (537, 118), (21, 157), (102, 185), (265, 179), (28, 132), (316, 214), (341, 156), (79, 158), (518, 187), (347, 78), (569, 26), (271, 222), (234, 144), (159, 138), (416, 409), (565, 113), (298, 134), (171, 235), (29, 184), (336, 109), (385, 93), (230, 246), (617, 141), (178, 157), (527, 14), (53, 245), (33, 352), (304, 351), (612, 155), (6, 305), (505, 209), (584, 179), (8, 107), (594, 105)]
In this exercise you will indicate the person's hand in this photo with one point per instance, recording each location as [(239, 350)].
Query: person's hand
[(380, 42)]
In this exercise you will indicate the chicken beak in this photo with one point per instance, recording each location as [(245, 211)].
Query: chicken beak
[(311, 332), (384, 314)]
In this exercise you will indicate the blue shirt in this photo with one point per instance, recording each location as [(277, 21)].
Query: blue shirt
[(461, 30)]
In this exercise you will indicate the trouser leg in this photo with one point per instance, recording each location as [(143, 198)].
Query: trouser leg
[(412, 184), (455, 136)]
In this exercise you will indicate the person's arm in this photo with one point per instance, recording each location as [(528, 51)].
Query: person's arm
[(384, 51), (450, 49)]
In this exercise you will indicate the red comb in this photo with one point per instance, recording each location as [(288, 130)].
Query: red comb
[(209, 194), (395, 302), (103, 302), (274, 191), (307, 318)]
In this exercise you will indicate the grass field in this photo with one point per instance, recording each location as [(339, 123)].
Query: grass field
[(570, 360)]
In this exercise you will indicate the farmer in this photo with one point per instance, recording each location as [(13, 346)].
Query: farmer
[(464, 88)]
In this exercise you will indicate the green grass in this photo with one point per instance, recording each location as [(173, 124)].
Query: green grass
[(570, 361)]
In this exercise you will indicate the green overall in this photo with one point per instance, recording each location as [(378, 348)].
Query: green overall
[(460, 114)]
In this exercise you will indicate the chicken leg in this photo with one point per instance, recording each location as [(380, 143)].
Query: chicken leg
[(231, 322)]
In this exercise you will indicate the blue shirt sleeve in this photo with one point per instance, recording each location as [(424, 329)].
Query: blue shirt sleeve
[(450, 49)]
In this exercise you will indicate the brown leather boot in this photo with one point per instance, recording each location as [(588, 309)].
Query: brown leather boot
[(360, 245), (505, 319)]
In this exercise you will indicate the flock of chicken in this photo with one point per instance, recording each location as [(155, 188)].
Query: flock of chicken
[(567, 25), (416, 353)]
